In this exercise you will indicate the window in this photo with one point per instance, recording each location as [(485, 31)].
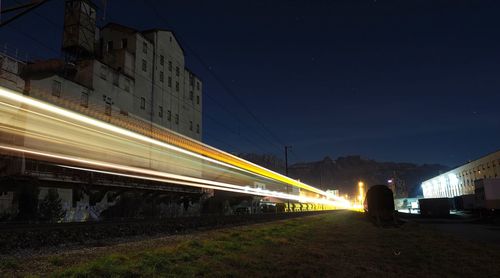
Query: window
[(197, 99), (198, 85), (169, 115), (176, 119), (160, 111), (169, 65), (144, 65), (170, 38), (191, 95), (104, 72), (143, 103), (107, 109), (162, 60), (84, 99), (127, 85), (109, 46), (116, 79), (56, 88), (170, 82), (161, 76), (198, 128), (145, 47), (177, 86), (177, 71), (191, 125), (124, 43)]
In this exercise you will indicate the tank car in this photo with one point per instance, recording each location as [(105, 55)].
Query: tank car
[(379, 205)]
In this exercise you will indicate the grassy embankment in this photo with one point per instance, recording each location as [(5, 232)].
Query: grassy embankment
[(341, 244)]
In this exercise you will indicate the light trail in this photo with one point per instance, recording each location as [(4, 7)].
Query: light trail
[(214, 155), (169, 178), (84, 119), (245, 190), (57, 133)]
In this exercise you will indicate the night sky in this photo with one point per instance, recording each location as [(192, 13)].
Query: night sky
[(415, 81)]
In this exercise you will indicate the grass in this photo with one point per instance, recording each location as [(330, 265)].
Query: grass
[(9, 263), (341, 244)]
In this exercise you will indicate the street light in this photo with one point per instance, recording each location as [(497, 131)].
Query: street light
[(361, 186)]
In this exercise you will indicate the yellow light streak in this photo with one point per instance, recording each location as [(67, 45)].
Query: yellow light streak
[(182, 145), (170, 178), (193, 148)]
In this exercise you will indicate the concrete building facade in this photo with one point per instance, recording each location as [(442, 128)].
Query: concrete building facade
[(137, 74), (10, 69), (113, 72), (165, 92), (461, 180), (116, 70)]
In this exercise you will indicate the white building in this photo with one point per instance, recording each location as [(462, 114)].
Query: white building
[(164, 91), (114, 73), (460, 181), (121, 72), (10, 68)]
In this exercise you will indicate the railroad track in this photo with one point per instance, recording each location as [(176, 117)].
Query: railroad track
[(17, 236)]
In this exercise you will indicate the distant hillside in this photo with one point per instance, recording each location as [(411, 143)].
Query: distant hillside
[(344, 172)]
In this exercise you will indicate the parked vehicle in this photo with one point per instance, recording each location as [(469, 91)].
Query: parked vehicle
[(435, 207), (487, 193)]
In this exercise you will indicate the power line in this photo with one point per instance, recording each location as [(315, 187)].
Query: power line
[(226, 88), (181, 100), (27, 8), (147, 79), (278, 147)]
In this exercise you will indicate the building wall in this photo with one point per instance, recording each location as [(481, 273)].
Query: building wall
[(460, 181), (191, 106), (9, 73), (65, 194), (112, 88), (6, 198), (162, 84)]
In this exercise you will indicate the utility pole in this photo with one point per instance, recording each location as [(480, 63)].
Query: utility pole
[(286, 159), (286, 172)]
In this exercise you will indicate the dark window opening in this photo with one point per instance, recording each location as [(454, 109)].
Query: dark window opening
[(143, 103), (56, 88), (109, 46), (84, 100), (107, 109)]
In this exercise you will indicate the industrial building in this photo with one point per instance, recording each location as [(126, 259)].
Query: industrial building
[(120, 71), (113, 73), (464, 179)]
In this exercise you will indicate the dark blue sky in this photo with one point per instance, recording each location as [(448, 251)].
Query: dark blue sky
[(415, 81)]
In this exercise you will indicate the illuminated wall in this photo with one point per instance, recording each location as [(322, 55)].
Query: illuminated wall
[(460, 181)]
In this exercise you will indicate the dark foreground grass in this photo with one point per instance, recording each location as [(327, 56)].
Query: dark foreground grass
[(341, 244)]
